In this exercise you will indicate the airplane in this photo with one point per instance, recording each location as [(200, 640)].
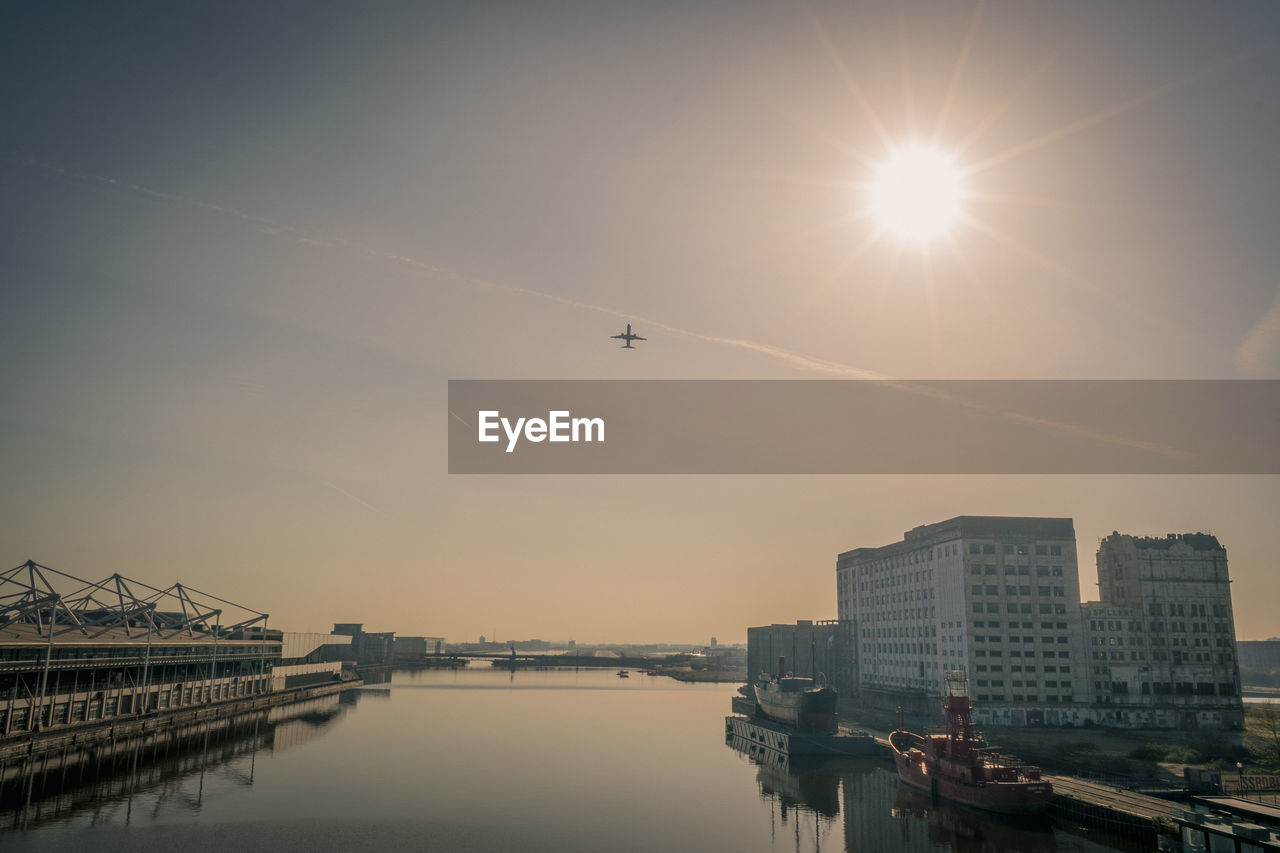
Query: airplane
[(628, 337)]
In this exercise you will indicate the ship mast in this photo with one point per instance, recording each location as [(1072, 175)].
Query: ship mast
[(958, 707)]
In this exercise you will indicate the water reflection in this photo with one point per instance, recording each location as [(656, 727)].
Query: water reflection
[(797, 791), (967, 831), (807, 795), (794, 782), (473, 762), (155, 772)]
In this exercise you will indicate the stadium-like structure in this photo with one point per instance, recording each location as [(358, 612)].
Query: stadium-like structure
[(75, 651)]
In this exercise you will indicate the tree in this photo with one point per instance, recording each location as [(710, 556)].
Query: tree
[(1268, 716)]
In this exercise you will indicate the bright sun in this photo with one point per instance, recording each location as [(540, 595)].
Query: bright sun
[(917, 194)]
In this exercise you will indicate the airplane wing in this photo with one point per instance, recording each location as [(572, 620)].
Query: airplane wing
[(619, 337), (638, 338)]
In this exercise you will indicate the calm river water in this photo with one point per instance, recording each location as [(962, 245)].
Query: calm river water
[(487, 760)]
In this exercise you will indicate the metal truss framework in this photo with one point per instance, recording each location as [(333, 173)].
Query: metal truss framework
[(57, 603)]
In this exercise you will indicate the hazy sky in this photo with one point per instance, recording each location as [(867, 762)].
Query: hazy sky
[(244, 246)]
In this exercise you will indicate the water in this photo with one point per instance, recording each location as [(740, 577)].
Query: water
[(487, 760)]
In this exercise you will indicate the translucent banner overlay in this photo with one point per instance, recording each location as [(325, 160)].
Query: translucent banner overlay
[(864, 427)]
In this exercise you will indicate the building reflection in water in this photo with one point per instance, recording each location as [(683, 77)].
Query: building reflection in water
[(965, 830), (806, 796), (167, 766), (803, 794)]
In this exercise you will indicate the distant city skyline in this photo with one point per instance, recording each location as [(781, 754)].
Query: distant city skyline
[(245, 247)]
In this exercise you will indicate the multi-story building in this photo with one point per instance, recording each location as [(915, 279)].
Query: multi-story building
[(999, 598), (808, 649), (414, 649), (1162, 642), (367, 648), (996, 596), (1259, 662)]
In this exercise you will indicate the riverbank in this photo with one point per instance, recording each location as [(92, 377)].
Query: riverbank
[(737, 675)]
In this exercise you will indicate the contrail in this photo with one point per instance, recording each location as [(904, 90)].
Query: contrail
[(347, 494), (795, 359), (268, 226), (265, 225)]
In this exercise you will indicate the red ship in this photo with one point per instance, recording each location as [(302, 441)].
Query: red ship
[(960, 766)]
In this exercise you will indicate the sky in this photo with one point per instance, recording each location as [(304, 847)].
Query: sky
[(244, 246)]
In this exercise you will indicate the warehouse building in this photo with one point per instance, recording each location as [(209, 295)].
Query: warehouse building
[(1162, 641), (996, 596), (999, 598)]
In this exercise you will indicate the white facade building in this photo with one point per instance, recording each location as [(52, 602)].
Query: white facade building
[(996, 596)]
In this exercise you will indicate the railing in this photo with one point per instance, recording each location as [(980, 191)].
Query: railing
[(1140, 784)]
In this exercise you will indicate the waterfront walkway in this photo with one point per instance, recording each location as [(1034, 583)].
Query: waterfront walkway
[(1113, 809), (24, 746)]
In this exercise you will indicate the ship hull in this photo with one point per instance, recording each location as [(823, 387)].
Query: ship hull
[(807, 709), (917, 770)]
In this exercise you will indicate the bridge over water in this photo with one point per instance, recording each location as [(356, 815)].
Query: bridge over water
[(527, 660)]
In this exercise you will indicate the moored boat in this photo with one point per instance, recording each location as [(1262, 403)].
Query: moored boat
[(960, 766), (805, 703)]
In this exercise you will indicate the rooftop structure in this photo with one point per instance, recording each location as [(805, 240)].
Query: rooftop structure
[(38, 604), (73, 650)]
